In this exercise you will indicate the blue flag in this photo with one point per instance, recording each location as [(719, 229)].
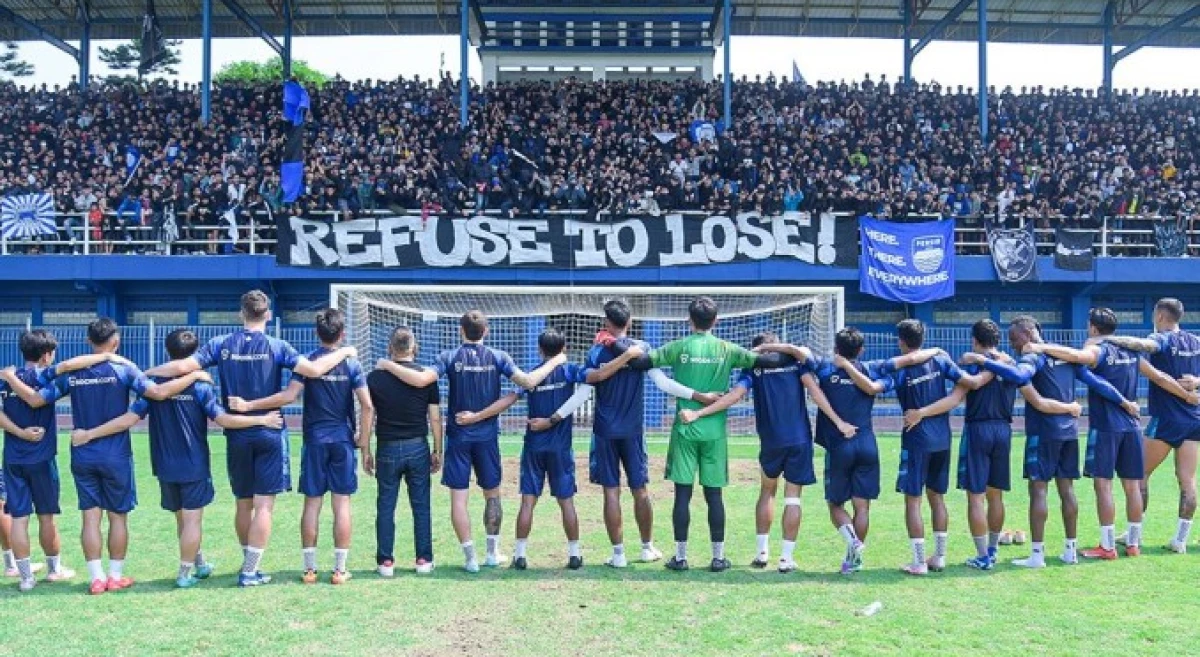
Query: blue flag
[(296, 104), (133, 155), (906, 263)]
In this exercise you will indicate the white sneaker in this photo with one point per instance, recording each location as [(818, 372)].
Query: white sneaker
[(651, 554), (386, 570), (471, 566), (936, 564), (1177, 547), (27, 585), (786, 565), (61, 575), (616, 561), (425, 567), (495, 560), (1029, 562), (1071, 559)]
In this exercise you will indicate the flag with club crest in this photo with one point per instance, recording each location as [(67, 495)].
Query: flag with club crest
[(23, 216)]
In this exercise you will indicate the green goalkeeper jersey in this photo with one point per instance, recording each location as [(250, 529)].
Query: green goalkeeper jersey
[(703, 363)]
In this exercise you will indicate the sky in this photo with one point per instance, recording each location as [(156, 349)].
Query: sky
[(950, 63)]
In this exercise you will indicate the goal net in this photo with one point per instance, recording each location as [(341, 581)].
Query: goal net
[(517, 315)]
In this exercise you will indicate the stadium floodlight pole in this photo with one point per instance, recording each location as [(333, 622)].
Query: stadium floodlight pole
[(464, 43), (206, 61), (85, 52), (1110, 11), (983, 90), (287, 39), (907, 11), (726, 15)]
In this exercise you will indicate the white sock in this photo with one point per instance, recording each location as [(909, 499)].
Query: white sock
[(1070, 546), (493, 545), (10, 561), (25, 570), (115, 566), (199, 561), (95, 569), (185, 569), (939, 544), (573, 549), (1182, 529), (918, 551), (681, 550), (1134, 538), (519, 550), (1108, 537), (848, 535), (619, 550), (647, 545), (340, 556), (310, 558), (981, 545), (764, 540), (1037, 553), (250, 563), (788, 548), (53, 563), (993, 540), (718, 549), (468, 549)]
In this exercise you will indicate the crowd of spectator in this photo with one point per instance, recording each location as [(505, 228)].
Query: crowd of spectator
[(1052, 157)]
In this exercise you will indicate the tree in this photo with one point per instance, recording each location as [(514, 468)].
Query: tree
[(270, 71), (128, 56), (11, 63)]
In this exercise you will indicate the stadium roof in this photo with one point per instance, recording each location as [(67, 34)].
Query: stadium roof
[(1024, 21)]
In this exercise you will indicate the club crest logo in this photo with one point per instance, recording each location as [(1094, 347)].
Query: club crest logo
[(928, 252), (683, 359), (224, 354), (458, 366)]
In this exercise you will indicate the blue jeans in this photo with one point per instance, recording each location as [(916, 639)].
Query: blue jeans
[(407, 459)]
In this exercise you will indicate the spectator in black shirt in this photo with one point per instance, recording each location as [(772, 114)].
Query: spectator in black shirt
[(404, 417)]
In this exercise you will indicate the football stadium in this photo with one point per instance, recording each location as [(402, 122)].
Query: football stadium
[(594, 344)]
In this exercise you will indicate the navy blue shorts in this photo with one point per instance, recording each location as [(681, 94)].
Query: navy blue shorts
[(189, 495), (328, 468), (109, 486), (983, 457), (852, 470), (258, 465), (31, 487), (1170, 432), (608, 457), (921, 470), (1047, 459), (461, 457), (794, 462), (557, 466), (1114, 452)]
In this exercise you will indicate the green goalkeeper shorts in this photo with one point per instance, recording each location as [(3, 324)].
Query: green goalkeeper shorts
[(708, 458)]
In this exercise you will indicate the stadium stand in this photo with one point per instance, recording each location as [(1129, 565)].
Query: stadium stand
[(1055, 157)]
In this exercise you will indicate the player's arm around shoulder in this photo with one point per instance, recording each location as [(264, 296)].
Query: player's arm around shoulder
[(735, 395), (417, 378)]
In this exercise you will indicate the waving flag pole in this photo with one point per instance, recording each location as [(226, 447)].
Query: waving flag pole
[(296, 104)]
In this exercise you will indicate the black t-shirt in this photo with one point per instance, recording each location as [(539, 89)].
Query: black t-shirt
[(401, 411)]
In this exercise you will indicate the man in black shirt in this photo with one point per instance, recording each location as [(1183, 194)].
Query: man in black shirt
[(404, 416)]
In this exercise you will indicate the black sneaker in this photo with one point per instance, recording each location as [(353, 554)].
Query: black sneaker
[(676, 564), (758, 563), (519, 563), (574, 563), (719, 565)]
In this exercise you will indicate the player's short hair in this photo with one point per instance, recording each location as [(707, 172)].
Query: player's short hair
[(766, 337), (986, 333), (552, 342), (1104, 319), (1171, 307), (181, 343), (101, 330), (1026, 324), (617, 313), (474, 324), (331, 324), (37, 343), (911, 332), (402, 341), (849, 342), (703, 313), (255, 306)]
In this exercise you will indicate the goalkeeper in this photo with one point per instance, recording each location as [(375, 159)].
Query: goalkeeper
[(703, 363)]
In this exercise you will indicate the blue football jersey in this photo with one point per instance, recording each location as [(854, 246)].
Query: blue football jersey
[(851, 404), (546, 398), (1178, 354), (179, 432), (620, 403), (993, 401), (780, 408), (98, 394), (329, 401), (473, 373), (250, 365), (919, 386), (17, 451), (1119, 367)]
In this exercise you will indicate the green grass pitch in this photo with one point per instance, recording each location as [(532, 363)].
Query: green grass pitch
[(1138, 606)]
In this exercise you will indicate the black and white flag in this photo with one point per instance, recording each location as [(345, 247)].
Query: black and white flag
[(1073, 249), (1170, 239), (1014, 254), (154, 45)]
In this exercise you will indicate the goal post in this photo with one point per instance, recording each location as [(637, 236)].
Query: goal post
[(518, 314)]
